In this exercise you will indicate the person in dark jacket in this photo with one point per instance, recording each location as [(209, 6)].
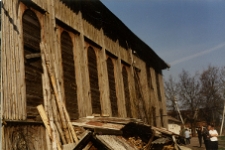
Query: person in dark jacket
[(206, 137), (199, 132)]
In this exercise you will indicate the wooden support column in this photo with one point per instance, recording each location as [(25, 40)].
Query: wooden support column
[(77, 51), (84, 105), (141, 87), (119, 84), (163, 101), (153, 93), (12, 66), (150, 91), (81, 75), (131, 81), (156, 102), (103, 79)]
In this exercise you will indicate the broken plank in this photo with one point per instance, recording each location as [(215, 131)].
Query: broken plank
[(47, 123)]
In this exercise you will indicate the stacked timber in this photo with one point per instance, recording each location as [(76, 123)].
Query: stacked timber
[(55, 117)]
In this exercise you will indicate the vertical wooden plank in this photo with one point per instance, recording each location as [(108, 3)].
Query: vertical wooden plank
[(9, 71), (22, 86), (119, 83), (82, 47), (3, 62), (18, 69), (15, 63), (134, 105), (57, 119), (5, 67), (3, 141), (11, 75), (144, 90), (48, 141), (47, 125), (78, 70), (163, 101)]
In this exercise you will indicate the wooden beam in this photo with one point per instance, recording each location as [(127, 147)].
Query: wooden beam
[(35, 55), (103, 131), (81, 144), (83, 141), (45, 119)]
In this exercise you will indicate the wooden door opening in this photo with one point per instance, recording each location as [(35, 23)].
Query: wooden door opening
[(69, 77), (33, 63), (126, 91), (112, 87), (93, 77)]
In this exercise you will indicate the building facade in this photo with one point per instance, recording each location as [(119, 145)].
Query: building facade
[(101, 67)]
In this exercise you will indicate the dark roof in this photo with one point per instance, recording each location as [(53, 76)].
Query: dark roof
[(100, 16)]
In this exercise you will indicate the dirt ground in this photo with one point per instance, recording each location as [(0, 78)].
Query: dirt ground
[(195, 145)]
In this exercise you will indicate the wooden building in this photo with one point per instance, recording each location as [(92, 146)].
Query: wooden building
[(101, 67)]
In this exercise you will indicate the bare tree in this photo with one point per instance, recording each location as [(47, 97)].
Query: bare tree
[(222, 85), (222, 81), (189, 95), (211, 96), (171, 91), (200, 97), (189, 91)]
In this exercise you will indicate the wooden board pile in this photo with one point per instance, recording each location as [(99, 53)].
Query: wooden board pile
[(54, 114)]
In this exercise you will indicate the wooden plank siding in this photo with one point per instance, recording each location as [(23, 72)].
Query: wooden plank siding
[(24, 137), (13, 74), (95, 73)]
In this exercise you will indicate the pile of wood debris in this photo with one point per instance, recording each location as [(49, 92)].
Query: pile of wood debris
[(125, 134), (93, 133), (121, 133)]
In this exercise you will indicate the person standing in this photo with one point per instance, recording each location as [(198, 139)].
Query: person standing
[(213, 138), (199, 132), (206, 137), (187, 136)]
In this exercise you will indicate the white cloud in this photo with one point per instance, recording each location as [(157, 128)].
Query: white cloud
[(197, 54)]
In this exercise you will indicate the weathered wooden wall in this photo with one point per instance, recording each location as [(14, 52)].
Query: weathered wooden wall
[(96, 74), (13, 74), (24, 137)]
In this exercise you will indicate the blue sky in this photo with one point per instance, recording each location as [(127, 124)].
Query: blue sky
[(187, 34)]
